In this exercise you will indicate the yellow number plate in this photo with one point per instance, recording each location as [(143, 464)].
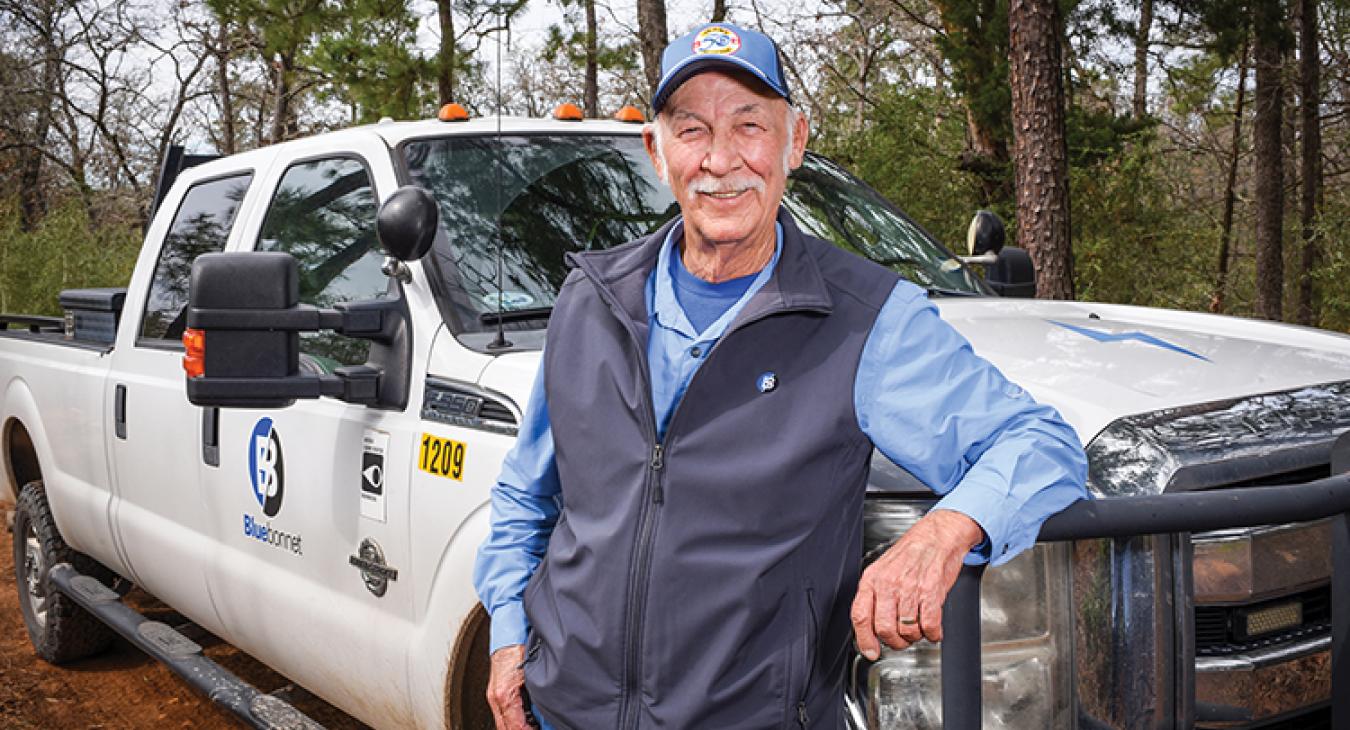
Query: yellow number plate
[(442, 457)]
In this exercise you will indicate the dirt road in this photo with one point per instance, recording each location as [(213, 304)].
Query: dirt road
[(122, 689)]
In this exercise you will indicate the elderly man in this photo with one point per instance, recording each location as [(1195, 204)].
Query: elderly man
[(676, 537)]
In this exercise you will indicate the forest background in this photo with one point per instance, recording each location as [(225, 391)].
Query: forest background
[(1204, 143)]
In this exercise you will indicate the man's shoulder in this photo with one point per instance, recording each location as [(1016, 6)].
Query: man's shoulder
[(851, 275)]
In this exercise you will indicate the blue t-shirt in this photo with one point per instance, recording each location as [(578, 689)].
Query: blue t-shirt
[(704, 302)]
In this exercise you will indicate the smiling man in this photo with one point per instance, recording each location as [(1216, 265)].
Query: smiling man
[(676, 536)]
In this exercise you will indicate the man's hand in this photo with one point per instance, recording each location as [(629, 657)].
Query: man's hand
[(506, 684), (900, 595)]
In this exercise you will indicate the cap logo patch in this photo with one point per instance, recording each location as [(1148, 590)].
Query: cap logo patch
[(718, 40)]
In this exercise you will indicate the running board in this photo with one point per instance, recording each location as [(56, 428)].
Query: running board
[(182, 655)]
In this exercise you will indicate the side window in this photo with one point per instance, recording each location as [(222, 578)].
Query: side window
[(323, 214), (202, 225)]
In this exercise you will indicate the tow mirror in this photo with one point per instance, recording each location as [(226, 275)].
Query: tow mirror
[(1010, 271), (406, 224), (242, 340)]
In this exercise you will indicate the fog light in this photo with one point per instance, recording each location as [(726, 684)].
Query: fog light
[(1275, 618)]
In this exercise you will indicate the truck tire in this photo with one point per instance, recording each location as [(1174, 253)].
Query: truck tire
[(60, 630)]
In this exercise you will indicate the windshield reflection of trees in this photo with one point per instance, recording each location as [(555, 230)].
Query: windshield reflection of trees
[(556, 194), (855, 218)]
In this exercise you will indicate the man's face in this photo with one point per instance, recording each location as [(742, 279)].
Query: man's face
[(725, 154)]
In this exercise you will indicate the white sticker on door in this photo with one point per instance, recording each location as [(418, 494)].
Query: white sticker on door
[(374, 446)]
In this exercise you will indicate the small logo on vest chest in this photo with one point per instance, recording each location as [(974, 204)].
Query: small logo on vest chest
[(767, 382)]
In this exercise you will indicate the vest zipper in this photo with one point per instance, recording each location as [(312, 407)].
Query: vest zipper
[(658, 462), (812, 641)]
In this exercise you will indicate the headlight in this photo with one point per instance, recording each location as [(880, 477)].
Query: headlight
[(1024, 606)]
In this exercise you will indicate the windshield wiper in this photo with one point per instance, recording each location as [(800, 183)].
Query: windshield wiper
[(528, 314), (938, 291)]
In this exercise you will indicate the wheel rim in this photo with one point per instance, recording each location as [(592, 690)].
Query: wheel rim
[(34, 567)]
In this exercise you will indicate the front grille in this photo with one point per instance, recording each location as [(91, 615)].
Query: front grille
[(1219, 630)]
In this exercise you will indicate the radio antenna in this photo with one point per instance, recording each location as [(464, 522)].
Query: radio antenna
[(500, 343)]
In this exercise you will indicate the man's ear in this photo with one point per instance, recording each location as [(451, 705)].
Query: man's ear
[(649, 141), (801, 129)]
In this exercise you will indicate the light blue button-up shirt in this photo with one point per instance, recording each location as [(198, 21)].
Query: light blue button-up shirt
[(924, 398)]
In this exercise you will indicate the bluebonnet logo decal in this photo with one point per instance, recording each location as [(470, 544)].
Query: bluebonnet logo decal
[(1123, 336), (265, 467)]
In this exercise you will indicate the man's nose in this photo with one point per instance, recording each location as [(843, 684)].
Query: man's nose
[(722, 156)]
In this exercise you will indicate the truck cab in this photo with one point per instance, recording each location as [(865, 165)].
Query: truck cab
[(326, 521)]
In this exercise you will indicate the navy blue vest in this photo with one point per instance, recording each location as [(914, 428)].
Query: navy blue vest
[(704, 582)]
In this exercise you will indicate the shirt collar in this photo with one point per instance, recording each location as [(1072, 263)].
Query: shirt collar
[(666, 309)]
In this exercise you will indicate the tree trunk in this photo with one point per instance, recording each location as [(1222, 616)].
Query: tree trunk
[(1216, 303), (281, 98), (1141, 40), (224, 95), (719, 12), (1269, 153), (977, 52), (1040, 154), (32, 196), (652, 38), (445, 58), (592, 90), (1310, 103)]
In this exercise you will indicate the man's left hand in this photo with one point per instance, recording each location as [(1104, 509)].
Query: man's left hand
[(900, 596)]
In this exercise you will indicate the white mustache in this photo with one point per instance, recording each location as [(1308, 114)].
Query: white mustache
[(714, 185)]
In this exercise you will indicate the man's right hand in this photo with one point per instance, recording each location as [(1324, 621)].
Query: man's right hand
[(506, 685)]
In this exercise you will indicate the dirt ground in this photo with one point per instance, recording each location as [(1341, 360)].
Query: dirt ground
[(122, 689)]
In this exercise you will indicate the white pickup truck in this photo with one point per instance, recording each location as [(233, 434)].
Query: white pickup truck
[(322, 510)]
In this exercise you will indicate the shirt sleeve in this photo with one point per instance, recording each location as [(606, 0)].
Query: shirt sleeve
[(949, 417), (525, 505)]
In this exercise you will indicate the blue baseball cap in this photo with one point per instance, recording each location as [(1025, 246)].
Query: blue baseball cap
[(719, 45)]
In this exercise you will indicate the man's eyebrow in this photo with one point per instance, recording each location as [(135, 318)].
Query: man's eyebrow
[(686, 114), (748, 108)]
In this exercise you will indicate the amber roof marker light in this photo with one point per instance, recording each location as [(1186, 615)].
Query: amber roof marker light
[(453, 113), (568, 112), (630, 115)]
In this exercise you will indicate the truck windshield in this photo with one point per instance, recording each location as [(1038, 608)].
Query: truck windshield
[(558, 193)]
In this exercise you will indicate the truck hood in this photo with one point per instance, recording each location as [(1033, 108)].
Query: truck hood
[(1098, 362)]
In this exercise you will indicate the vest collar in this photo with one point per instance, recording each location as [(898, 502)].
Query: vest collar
[(621, 275)]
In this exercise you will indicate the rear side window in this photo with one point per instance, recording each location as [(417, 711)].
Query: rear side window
[(323, 214), (202, 225)]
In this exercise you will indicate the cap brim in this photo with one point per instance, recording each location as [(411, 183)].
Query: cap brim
[(695, 65)]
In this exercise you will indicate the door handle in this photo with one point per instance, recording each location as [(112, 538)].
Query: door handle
[(120, 412), (211, 436)]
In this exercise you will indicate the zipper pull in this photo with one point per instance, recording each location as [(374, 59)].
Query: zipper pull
[(658, 462), (801, 714)]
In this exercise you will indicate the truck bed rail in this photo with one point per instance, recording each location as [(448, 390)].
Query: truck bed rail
[(1155, 514), (33, 323)]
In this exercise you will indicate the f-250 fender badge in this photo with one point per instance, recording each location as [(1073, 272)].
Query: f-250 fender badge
[(374, 571)]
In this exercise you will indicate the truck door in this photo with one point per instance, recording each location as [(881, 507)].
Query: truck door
[(157, 508), (310, 502)]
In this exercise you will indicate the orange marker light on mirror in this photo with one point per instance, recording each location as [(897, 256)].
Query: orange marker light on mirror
[(568, 112), (194, 355), (629, 114), (453, 113)]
